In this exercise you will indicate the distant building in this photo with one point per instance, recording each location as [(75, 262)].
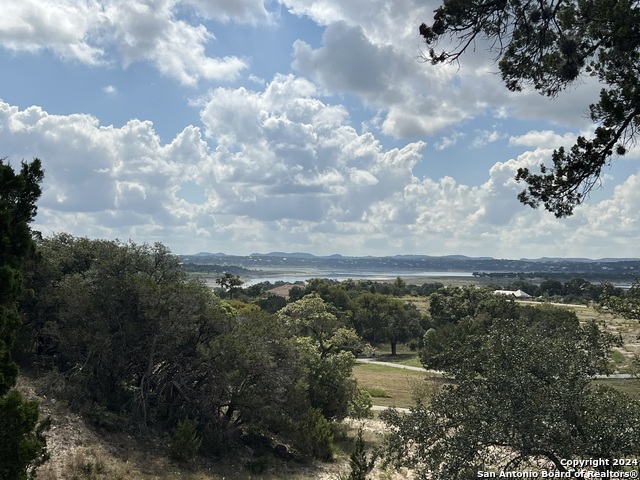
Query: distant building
[(512, 293)]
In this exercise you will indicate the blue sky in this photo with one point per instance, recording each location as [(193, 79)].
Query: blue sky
[(289, 125)]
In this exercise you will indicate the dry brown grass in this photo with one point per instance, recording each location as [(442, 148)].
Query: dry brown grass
[(627, 330)]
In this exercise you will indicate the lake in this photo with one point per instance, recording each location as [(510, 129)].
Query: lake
[(341, 276)]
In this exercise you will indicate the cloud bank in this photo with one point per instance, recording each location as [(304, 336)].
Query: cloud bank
[(325, 157), (280, 167)]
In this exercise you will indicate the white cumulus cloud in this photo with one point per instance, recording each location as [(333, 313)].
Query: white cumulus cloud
[(90, 31)]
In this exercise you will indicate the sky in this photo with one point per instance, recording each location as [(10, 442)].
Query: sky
[(243, 126)]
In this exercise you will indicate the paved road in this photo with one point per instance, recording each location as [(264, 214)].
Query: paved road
[(380, 408), (614, 375)]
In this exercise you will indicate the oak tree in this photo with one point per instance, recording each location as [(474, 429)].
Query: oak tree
[(327, 349), (548, 45), (382, 318), (522, 398)]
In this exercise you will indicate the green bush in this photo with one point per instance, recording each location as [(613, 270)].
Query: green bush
[(22, 440), (314, 435), (361, 405), (260, 464), (185, 442), (376, 392), (361, 464)]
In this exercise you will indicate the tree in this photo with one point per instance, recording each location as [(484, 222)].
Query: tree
[(626, 305), (22, 443), (111, 315), (450, 305), (577, 290), (230, 284), (248, 377), (400, 287), (548, 45), (327, 347), (131, 340), (522, 398), (272, 303), (427, 289), (331, 292), (456, 315), (551, 288), (18, 196), (361, 464), (313, 317), (383, 318)]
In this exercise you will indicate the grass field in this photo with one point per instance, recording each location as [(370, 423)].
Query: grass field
[(630, 386), (401, 387), (411, 359), (405, 356), (398, 385)]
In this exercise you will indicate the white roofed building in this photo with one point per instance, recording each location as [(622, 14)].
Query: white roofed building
[(515, 294)]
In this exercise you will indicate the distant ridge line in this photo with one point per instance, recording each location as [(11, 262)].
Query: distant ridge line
[(415, 256)]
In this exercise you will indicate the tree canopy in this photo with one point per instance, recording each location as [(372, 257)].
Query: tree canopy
[(456, 314), (127, 338), (380, 317), (522, 399), (548, 45), (328, 346)]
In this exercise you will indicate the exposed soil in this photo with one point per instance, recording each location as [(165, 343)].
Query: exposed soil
[(79, 451)]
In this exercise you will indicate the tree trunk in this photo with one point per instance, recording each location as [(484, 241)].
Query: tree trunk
[(393, 348)]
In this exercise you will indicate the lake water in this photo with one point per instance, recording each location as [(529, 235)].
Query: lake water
[(379, 277)]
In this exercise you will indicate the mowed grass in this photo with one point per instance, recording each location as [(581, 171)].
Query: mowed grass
[(394, 386), (411, 359), (405, 356), (399, 386), (630, 386)]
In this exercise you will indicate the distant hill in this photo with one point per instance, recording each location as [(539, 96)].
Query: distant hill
[(417, 257), (284, 255), (579, 259), (464, 257), (542, 268)]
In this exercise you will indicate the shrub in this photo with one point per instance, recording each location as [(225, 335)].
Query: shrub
[(217, 439), (260, 464), (423, 389), (22, 439), (376, 392), (361, 464), (85, 465), (314, 436), (361, 405), (185, 442)]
